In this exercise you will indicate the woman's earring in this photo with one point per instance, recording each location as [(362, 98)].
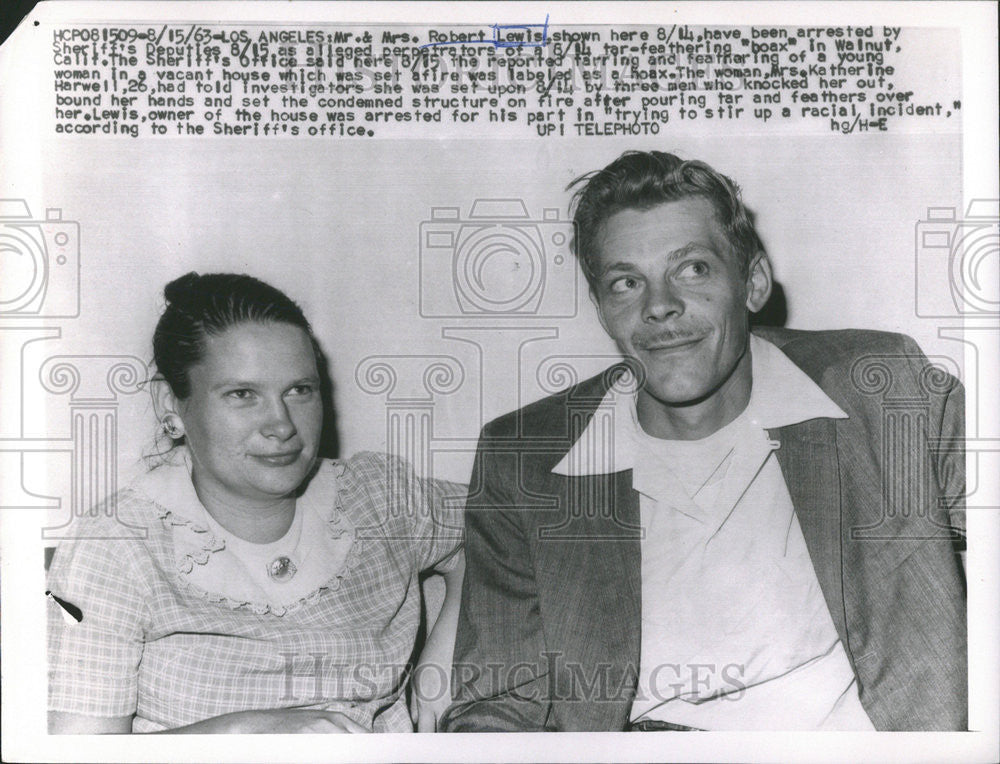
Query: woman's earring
[(171, 427)]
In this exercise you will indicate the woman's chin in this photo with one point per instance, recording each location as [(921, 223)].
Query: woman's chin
[(278, 482)]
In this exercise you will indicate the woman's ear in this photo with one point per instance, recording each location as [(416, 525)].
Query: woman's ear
[(759, 282), (165, 405)]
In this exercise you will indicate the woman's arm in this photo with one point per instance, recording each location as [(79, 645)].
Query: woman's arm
[(278, 721), (432, 674), (61, 723), (97, 614), (102, 578)]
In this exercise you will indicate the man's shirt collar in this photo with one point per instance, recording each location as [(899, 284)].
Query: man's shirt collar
[(782, 395)]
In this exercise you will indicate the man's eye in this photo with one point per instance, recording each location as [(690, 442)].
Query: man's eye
[(302, 390), (694, 269), (623, 285), (240, 395)]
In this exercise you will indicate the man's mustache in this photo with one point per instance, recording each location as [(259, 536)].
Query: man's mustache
[(667, 337)]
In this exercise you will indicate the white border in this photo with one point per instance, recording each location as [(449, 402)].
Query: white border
[(977, 23)]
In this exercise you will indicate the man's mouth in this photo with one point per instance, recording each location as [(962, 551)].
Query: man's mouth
[(672, 344)]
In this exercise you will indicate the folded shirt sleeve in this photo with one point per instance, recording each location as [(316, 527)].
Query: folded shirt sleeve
[(93, 662)]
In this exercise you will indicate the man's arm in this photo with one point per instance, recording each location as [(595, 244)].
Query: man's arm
[(947, 440), (498, 682)]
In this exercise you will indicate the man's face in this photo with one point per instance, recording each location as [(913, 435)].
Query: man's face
[(670, 292)]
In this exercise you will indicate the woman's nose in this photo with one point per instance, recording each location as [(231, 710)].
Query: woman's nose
[(279, 424)]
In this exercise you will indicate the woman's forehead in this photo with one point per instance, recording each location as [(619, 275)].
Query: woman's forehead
[(254, 350)]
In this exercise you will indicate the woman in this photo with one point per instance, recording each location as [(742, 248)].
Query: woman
[(273, 591)]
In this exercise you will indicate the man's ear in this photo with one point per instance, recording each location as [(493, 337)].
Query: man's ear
[(759, 282)]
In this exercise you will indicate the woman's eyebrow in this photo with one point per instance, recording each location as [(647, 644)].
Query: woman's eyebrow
[(233, 383)]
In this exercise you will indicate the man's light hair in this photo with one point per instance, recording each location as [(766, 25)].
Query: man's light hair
[(641, 180)]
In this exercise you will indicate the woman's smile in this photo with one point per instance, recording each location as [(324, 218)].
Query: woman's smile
[(278, 460)]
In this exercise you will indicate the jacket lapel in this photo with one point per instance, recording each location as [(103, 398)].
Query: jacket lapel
[(625, 516), (808, 459), (596, 557)]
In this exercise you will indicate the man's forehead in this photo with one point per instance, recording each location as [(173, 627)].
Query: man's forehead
[(692, 220)]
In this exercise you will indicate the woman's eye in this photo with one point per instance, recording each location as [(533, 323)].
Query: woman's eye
[(623, 285)]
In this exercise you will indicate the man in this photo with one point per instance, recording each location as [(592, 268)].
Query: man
[(731, 530)]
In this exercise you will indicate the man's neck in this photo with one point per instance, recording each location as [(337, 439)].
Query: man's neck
[(697, 420)]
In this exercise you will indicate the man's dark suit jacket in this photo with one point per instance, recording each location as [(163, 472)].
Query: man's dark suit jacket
[(548, 636)]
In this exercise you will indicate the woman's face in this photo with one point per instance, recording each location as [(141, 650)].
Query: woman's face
[(254, 415)]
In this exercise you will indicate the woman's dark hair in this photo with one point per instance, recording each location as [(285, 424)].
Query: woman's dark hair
[(644, 179), (203, 305)]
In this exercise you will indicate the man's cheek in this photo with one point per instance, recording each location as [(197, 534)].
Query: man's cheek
[(616, 320)]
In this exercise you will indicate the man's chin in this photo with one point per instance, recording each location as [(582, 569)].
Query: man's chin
[(678, 395)]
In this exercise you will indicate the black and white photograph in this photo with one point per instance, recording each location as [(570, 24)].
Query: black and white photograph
[(382, 369)]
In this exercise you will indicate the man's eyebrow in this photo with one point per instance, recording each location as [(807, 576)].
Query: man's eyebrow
[(621, 265), (687, 249), (691, 246)]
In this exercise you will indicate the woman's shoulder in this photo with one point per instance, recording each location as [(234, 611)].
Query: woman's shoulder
[(357, 489), (389, 472), (365, 462), (125, 514), (376, 467), (375, 473), (145, 510), (371, 470), (114, 541), (387, 486)]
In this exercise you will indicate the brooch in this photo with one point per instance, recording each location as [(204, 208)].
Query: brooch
[(281, 569)]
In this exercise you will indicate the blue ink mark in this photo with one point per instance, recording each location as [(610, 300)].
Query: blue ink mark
[(499, 40)]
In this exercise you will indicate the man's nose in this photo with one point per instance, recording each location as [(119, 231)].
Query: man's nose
[(661, 302), (279, 423)]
